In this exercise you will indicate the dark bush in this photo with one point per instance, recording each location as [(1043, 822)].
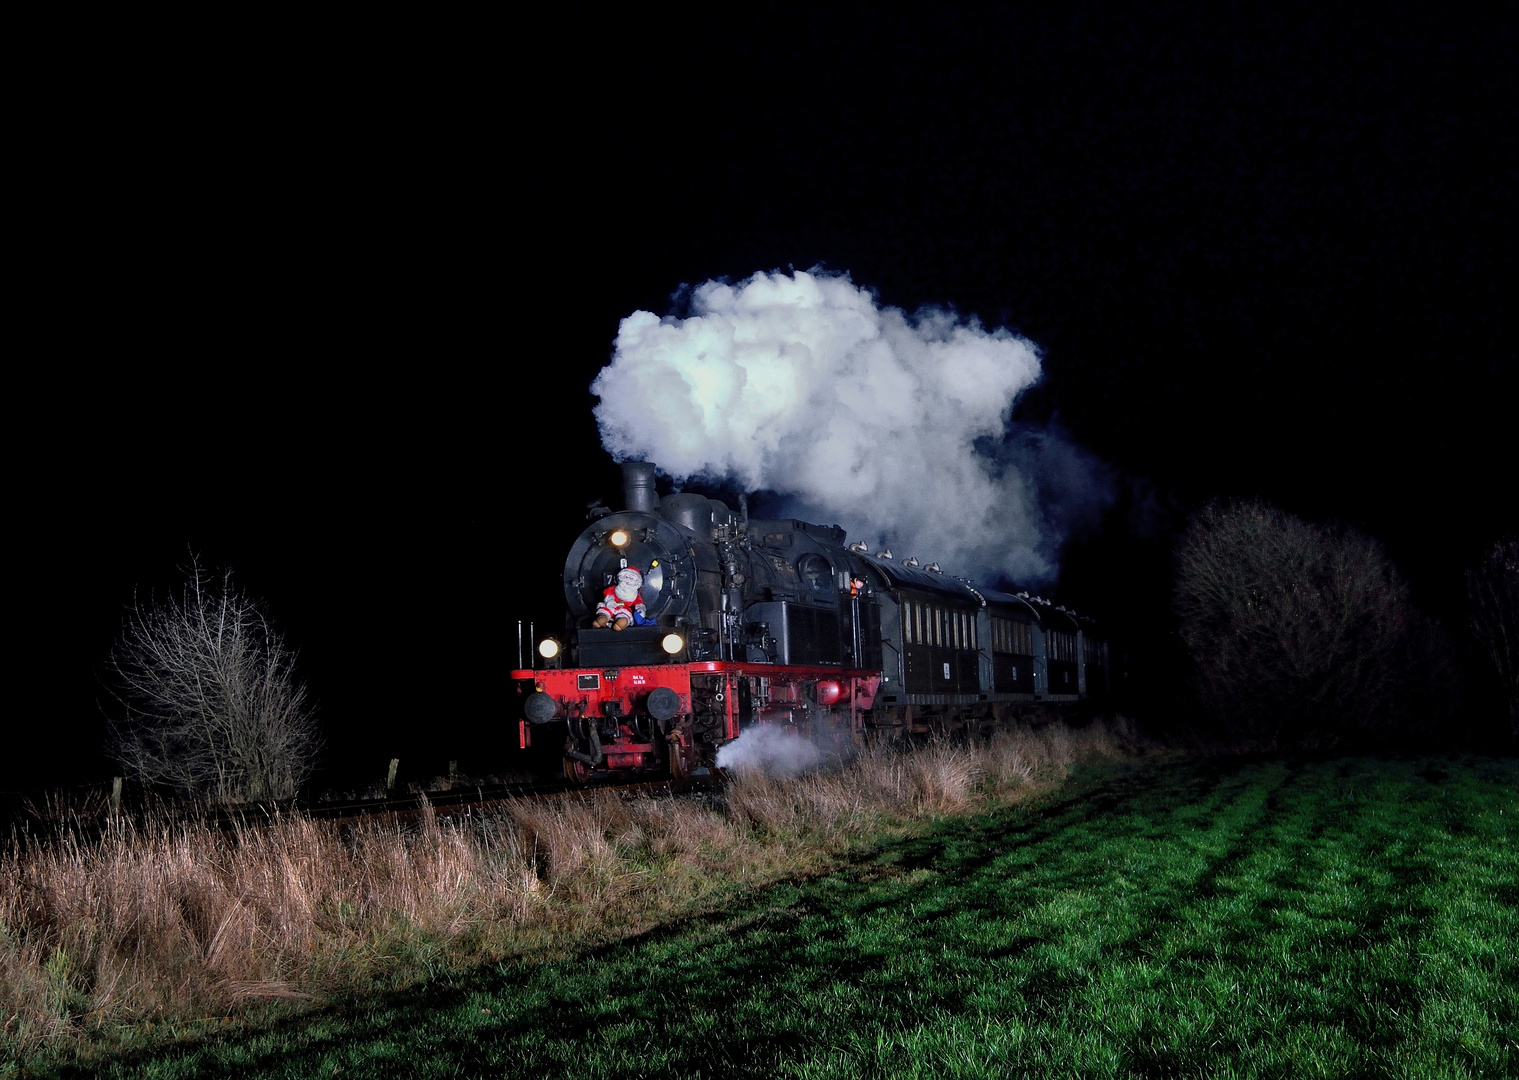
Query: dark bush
[(1493, 588), (1303, 634)]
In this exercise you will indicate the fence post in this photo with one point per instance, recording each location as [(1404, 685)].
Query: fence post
[(115, 794), (453, 770), (390, 777)]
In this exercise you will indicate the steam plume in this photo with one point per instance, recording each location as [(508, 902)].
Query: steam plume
[(896, 427), (783, 753)]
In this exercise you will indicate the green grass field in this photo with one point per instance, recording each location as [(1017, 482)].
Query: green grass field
[(1353, 917)]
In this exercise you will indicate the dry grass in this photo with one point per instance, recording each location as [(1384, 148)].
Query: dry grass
[(100, 938)]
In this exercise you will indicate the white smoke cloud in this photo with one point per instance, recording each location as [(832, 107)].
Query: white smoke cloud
[(893, 426), (783, 752)]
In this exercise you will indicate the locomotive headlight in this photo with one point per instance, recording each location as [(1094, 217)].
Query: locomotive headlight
[(548, 648), (672, 643), (619, 538)]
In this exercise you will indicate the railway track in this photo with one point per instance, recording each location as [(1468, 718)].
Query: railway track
[(35, 826), (444, 804)]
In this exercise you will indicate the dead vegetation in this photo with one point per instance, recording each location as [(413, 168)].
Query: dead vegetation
[(102, 938)]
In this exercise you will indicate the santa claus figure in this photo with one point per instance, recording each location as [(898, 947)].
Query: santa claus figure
[(621, 604)]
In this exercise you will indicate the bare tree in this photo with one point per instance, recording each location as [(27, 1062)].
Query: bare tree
[(1298, 632), (210, 702), (1493, 588)]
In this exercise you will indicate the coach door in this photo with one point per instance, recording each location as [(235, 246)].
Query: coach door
[(1012, 655)]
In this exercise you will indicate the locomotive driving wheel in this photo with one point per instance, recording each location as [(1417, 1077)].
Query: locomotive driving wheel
[(576, 771)]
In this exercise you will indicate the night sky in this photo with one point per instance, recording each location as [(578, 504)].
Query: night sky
[(325, 307)]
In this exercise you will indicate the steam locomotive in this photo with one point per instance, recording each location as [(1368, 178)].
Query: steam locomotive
[(749, 622)]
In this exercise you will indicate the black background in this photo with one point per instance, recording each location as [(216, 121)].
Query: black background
[(324, 304)]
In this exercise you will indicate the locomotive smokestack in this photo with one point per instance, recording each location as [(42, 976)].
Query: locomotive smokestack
[(638, 486)]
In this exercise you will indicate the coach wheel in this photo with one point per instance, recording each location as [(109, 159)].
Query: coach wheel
[(576, 771)]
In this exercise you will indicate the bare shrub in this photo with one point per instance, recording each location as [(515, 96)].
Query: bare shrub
[(1493, 589), (211, 705), (1296, 630)]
